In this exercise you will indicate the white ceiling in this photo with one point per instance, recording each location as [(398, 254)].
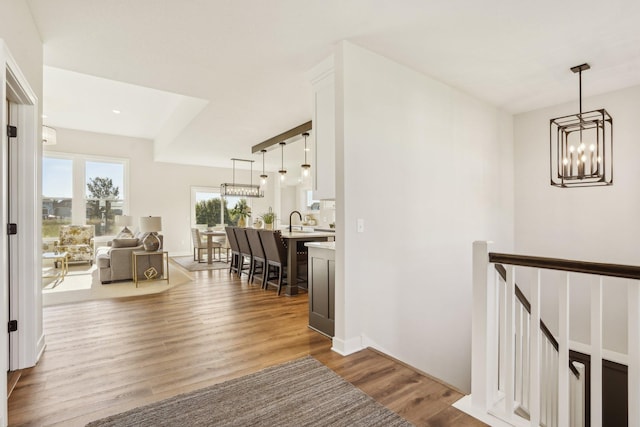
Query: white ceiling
[(212, 78)]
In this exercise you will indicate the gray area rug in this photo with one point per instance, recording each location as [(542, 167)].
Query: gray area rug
[(303, 392), (189, 264)]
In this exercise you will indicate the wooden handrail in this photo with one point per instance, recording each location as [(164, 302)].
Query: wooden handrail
[(527, 306), (601, 269)]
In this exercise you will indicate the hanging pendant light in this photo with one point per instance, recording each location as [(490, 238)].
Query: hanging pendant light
[(282, 170), (264, 176), (241, 190), (572, 164), (305, 166)]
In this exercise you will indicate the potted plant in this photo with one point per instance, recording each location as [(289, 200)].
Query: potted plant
[(241, 210), (269, 218)]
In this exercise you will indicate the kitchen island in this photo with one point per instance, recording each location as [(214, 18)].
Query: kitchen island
[(293, 238), (321, 270)]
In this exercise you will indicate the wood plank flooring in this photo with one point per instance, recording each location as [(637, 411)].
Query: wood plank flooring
[(108, 356)]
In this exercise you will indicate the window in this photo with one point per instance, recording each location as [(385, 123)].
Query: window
[(57, 186), (207, 206), (81, 190), (104, 193)]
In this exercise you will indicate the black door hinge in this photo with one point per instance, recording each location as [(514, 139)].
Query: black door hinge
[(12, 229), (12, 131), (13, 325)]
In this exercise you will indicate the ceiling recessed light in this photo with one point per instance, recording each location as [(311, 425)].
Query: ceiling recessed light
[(116, 111)]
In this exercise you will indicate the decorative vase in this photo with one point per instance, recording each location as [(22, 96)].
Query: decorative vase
[(151, 242), (242, 222), (268, 226)]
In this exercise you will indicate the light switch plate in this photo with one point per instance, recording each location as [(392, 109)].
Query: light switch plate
[(360, 225)]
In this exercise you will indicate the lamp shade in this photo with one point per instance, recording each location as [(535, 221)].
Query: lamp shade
[(150, 224), (124, 220)]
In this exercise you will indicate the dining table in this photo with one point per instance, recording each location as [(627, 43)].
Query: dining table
[(210, 235), (292, 238)]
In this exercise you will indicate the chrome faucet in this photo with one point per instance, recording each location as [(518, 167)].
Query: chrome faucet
[(290, 216)]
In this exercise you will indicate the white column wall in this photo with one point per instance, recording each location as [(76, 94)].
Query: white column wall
[(157, 188), (429, 170), (593, 224)]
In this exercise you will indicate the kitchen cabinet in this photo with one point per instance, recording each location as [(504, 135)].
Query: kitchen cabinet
[(321, 270), (324, 175)]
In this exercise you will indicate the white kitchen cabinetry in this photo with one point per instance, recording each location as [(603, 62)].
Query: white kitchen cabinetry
[(324, 169)]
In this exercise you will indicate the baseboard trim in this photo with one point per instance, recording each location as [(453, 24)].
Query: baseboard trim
[(465, 406), (347, 347), (406, 365)]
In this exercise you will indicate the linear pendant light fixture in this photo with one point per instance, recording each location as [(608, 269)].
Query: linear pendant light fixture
[(581, 146), (282, 170), (242, 190), (305, 166)]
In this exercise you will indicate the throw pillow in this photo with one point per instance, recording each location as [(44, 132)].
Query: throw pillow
[(125, 235), (124, 243)]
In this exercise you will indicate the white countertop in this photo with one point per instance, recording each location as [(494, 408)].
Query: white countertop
[(306, 234), (321, 245)]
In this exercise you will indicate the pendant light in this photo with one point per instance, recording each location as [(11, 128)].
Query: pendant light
[(581, 146), (305, 166), (282, 170), (241, 190), (264, 176)]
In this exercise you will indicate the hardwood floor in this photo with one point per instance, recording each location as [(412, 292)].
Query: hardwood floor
[(104, 357)]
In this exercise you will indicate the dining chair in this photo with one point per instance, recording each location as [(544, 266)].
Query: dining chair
[(259, 259), (276, 254), (235, 250), (198, 245), (244, 252)]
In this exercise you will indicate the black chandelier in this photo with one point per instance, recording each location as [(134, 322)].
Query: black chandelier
[(581, 146)]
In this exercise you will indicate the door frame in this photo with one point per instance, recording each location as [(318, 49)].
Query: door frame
[(26, 305)]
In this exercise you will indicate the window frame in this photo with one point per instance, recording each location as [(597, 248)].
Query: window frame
[(79, 181)]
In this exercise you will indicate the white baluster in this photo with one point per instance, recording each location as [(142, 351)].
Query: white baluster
[(525, 363), (494, 340), (633, 295), (554, 390), (518, 351), (596, 353), (563, 353), (502, 329), (509, 360), (536, 352)]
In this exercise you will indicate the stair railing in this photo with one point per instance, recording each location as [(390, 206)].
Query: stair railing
[(548, 361), (518, 377)]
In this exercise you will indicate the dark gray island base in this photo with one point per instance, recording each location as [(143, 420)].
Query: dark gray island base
[(321, 268)]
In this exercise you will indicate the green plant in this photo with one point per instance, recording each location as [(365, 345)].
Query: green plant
[(269, 217), (241, 209)]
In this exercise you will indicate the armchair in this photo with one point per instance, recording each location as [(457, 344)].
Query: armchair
[(77, 241)]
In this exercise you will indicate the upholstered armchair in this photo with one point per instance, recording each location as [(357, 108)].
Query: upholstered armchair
[(77, 241)]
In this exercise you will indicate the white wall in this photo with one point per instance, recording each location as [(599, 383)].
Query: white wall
[(156, 188), (429, 170), (19, 32), (593, 224)]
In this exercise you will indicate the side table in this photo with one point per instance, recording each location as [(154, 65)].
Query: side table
[(57, 257), (150, 273)]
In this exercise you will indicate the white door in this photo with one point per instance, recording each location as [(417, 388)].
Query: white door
[(12, 239)]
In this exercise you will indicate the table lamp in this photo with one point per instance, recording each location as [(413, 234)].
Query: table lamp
[(151, 225), (124, 221)]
